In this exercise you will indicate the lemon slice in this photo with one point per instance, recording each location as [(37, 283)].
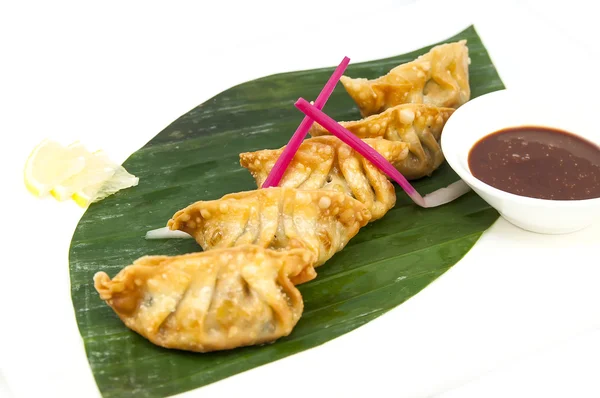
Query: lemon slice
[(74, 173), (120, 179), (99, 178), (50, 164), (98, 168)]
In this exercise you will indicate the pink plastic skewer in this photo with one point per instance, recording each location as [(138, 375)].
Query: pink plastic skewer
[(359, 146), (291, 148)]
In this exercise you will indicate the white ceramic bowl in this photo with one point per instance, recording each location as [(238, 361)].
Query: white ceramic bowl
[(508, 108)]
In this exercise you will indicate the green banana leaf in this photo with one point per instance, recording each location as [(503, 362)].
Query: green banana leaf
[(196, 158)]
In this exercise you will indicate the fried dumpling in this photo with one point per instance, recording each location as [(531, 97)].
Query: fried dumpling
[(327, 163), (439, 78), (276, 218), (207, 301), (418, 125)]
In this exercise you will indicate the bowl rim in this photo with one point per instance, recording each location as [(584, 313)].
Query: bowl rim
[(450, 150)]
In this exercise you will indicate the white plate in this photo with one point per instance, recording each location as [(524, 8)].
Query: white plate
[(113, 75)]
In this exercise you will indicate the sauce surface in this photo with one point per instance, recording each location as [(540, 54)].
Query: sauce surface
[(538, 162)]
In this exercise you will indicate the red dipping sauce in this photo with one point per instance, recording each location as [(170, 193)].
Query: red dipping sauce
[(538, 162)]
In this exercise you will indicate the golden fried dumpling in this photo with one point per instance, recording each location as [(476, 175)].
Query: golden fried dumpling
[(277, 218), (418, 125), (439, 78), (327, 163), (207, 301)]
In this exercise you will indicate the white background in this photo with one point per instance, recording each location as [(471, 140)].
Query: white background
[(519, 316)]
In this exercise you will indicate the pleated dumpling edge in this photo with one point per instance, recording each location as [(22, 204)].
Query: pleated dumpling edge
[(207, 301), (439, 78)]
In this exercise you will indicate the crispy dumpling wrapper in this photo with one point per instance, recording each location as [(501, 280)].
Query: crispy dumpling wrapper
[(207, 301), (327, 163), (276, 218), (438, 78), (418, 125)]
